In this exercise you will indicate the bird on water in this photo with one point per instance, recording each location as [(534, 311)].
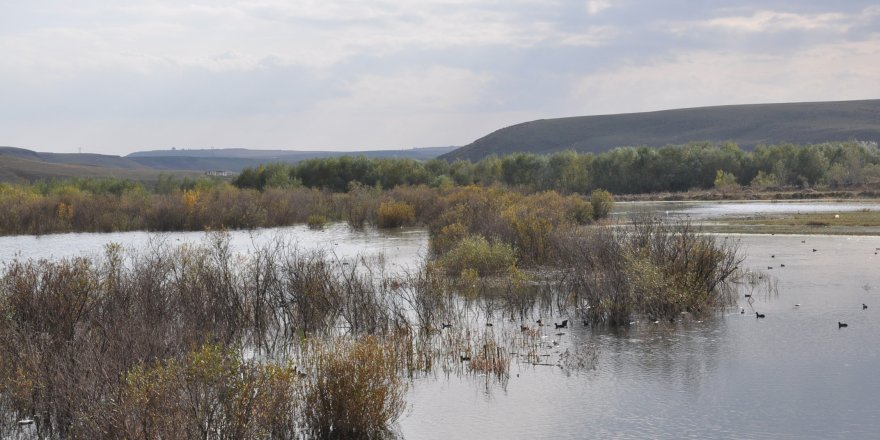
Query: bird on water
[(759, 315)]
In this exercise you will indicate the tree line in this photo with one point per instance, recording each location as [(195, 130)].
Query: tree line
[(625, 170)]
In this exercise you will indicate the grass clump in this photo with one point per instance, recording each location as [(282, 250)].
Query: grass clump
[(478, 254)]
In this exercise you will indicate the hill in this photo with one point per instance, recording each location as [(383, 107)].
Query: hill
[(236, 159), (20, 165), (18, 169), (747, 125)]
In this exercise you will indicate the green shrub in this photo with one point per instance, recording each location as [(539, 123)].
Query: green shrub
[(580, 211), (477, 253), (602, 202)]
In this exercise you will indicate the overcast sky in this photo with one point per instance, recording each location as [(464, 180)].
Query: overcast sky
[(119, 76)]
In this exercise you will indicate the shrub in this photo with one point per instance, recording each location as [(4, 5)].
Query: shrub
[(210, 393), (477, 253), (580, 211), (317, 221), (602, 202), (355, 389), (395, 214)]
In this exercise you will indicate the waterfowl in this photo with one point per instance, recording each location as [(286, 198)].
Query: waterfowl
[(773, 256), (742, 311), (523, 328), (586, 323), (814, 250), (445, 325), (748, 295), (563, 325), (540, 322), (759, 315), (465, 358), (781, 265), (488, 324), (864, 306), (769, 267), (841, 324)]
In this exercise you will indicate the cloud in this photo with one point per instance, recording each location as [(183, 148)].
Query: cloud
[(382, 73), (770, 21), (703, 78), (596, 6)]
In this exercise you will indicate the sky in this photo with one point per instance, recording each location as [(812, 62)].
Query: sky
[(117, 76)]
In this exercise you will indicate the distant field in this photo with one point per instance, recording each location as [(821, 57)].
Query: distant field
[(747, 125)]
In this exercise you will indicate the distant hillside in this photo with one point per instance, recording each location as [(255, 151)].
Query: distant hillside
[(236, 159), (19, 164), (20, 170), (747, 125), (99, 160)]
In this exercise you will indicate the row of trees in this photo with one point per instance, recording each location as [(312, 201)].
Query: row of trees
[(625, 170)]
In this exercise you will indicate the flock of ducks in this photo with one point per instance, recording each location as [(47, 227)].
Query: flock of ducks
[(761, 315)]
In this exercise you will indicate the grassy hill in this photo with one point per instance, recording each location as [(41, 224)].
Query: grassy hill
[(747, 125)]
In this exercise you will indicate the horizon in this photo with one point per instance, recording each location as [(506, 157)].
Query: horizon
[(112, 78)]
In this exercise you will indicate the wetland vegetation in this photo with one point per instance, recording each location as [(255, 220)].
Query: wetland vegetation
[(199, 341)]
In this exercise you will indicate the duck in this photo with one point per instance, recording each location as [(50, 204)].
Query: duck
[(563, 325), (841, 324), (540, 322), (586, 323), (523, 328), (465, 358), (864, 306), (759, 315), (742, 310), (445, 325)]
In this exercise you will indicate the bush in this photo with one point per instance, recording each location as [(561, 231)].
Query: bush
[(602, 202), (210, 393), (395, 214), (355, 390), (317, 221), (580, 211), (477, 253)]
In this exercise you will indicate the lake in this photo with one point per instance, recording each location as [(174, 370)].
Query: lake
[(793, 374)]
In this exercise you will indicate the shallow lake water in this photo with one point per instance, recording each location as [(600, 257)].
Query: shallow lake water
[(793, 374), (707, 210)]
